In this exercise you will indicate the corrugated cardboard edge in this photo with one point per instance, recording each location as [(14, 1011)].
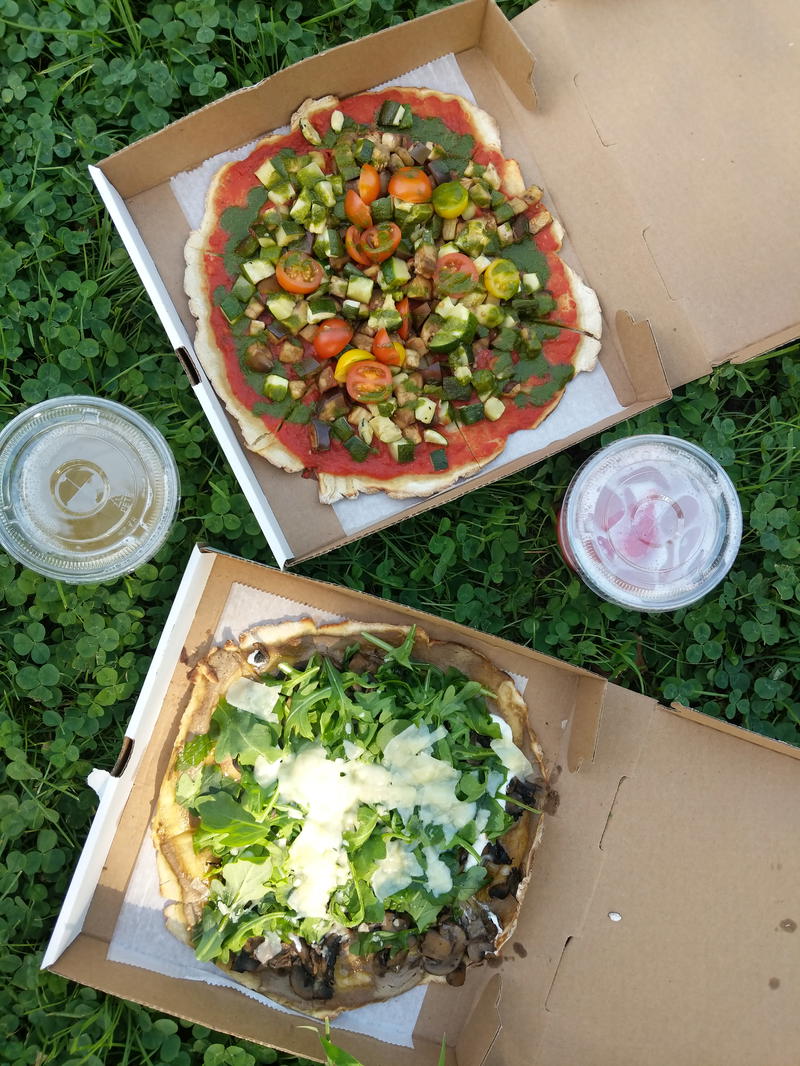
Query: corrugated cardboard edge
[(722, 725)]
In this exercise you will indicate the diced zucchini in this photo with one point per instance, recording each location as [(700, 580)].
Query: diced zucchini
[(447, 249), (504, 212), (394, 273), (462, 374), (471, 413), (339, 287), (505, 234), (394, 114), (275, 387), (489, 315), (256, 270), (281, 305), (282, 193), (358, 448), (491, 177), (309, 131), (381, 208), (287, 232), (439, 459), (243, 288), (270, 250), (494, 408), (269, 175), (301, 208), (325, 193), (531, 282), (360, 289), (310, 174), (425, 410), (385, 429), (449, 228), (363, 150), (402, 451), (321, 307), (351, 308), (432, 436), (342, 429), (481, 263), (232, 308)]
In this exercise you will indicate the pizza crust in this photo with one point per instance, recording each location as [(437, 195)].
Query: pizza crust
[(183, 873)]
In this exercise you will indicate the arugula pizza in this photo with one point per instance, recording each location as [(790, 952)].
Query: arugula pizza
[(379, 297), (348, 811)]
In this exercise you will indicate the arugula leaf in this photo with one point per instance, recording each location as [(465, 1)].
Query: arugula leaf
[(419, 904), (242, 736), (194, 751), (222, 815), (245, 881)]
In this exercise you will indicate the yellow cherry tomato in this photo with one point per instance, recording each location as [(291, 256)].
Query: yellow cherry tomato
[(348, 359), (450, 199), (501, 279)]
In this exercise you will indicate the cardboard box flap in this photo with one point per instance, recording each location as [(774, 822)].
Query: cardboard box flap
[(269, 104), (676, 130), (677, 927)]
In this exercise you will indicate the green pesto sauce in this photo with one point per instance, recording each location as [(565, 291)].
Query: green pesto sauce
[(527, 258), (236, 222)]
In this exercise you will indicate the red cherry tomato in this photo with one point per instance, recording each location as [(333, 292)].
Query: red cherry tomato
[(387, 351), (404, 308), (411, 184), (369, 382), (380, 242), (352, 242), (369, 183), (455, 275), (356, 210), (299, 272), (332, 336)]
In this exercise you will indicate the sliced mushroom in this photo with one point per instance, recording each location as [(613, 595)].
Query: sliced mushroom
[(443, 949)]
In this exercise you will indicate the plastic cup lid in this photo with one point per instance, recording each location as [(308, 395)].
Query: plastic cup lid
[(88, 489), (651, 523)]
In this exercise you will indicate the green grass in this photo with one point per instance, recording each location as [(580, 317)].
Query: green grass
[(78, 80)]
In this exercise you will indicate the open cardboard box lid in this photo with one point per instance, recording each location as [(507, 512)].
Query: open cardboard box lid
[(661, 921), (660, 139)]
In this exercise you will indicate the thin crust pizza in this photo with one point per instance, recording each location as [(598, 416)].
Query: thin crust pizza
[(349, 810), (374, 285)]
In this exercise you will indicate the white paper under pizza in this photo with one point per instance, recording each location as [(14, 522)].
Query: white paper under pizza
[(140, 937), (588, 399)]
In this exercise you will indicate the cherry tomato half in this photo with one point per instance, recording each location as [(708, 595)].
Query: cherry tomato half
[(450, 199), (404, 309), (455, 275), (369, 382), (387, 351), (333, 334), (501, 279), (349, 359), (356, 210), (381, 241), (411, 184), (369, 183), (352, 242), (299, 272)]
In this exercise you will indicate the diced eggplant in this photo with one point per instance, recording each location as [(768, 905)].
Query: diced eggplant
[(267, 286), (425, 261), (439, 170), (420, 313), (319, 435), (404, 417), (297, 389), (413, 433), (519, 227), (332, 405), (326, 379), (259, 357), (432, 374), (290, 351), (419, 152), (277, 330)]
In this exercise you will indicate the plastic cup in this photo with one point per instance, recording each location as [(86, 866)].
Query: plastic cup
[(88, 489), (651, 523)]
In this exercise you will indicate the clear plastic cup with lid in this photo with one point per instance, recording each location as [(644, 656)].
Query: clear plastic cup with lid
[(651, 523), (88, 489)]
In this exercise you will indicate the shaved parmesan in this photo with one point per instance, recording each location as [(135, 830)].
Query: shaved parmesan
[(254, 697)]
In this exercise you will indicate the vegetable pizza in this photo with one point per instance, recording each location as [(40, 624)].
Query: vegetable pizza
[(379, 297)]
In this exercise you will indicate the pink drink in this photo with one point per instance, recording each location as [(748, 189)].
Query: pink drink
[(651, 523)]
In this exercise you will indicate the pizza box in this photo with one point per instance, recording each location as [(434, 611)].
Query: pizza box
[(660, 922), (143, 186)]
